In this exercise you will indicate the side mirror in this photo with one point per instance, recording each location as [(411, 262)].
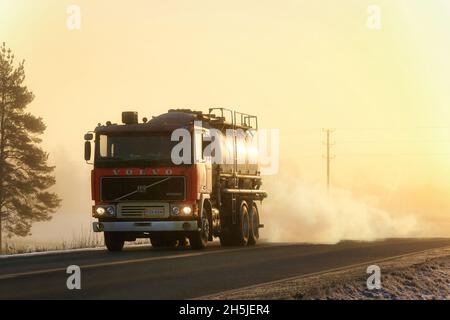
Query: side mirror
[(88, 136), (87, 150)]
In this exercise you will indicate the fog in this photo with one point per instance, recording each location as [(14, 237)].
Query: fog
[(300, 68)]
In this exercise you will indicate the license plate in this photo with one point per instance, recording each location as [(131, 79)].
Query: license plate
[(154, 211)]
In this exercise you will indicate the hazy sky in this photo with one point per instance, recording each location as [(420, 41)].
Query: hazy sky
[(300, 65)]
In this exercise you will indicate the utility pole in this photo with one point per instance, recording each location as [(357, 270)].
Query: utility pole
[(1, 234), (329, 156)]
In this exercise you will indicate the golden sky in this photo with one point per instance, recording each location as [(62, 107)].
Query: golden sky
[(300, 65)]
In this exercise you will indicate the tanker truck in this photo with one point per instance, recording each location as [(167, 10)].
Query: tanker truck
[(181, 178)]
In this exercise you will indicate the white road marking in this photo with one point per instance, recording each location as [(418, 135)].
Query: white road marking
[(122, 262)]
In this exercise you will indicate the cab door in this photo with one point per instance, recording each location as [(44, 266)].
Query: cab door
[(202, 161)]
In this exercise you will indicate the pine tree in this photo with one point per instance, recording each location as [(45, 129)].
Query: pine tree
[(25, 176)]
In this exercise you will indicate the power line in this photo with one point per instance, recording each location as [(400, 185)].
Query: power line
[(395, 154), (393, 128), (373, 154), (396, 141)]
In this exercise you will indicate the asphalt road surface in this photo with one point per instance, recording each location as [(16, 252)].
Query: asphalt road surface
[(146, 273)]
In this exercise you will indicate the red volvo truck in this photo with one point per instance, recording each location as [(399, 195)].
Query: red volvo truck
[(140, 191)]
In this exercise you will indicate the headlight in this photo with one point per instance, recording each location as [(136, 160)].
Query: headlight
[(187, 210), (175, 210), (100, 211), (103, 211), (181, 209), (111, 210)]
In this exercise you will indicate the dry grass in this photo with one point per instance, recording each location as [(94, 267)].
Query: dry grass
[(83, 240)]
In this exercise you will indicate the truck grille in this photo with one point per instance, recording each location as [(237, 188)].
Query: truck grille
[(142, 188), (143, 210)]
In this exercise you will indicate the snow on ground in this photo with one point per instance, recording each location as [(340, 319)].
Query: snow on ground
[(427, 280), (419, 276)]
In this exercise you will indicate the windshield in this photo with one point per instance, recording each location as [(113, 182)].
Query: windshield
[(133, 149)]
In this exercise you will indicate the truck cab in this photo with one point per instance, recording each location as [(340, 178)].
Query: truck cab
[(139, 192)]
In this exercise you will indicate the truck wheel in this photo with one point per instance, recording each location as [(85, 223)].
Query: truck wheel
[(114, 241), (254, 225), (199, 240), (238, 234), (243, 226)]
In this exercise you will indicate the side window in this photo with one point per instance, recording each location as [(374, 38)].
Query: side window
[(103, 145), (106, 146), (205, 143)]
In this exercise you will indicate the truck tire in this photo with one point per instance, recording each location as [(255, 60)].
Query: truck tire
[(114, 241), (199, 239), (243, 225), (238, 234), (254, 225)]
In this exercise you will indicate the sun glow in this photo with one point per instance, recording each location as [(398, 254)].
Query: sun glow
[(301, 66)]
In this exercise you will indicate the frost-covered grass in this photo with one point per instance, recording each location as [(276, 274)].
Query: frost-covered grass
[(85, 240), (426, 280), (419, 276)]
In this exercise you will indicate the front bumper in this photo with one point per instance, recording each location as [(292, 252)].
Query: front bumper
[(145, 226)]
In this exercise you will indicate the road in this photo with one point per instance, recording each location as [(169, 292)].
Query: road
[(146, 273)]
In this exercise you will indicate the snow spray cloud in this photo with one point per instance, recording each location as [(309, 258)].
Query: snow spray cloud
[(309, 213)]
